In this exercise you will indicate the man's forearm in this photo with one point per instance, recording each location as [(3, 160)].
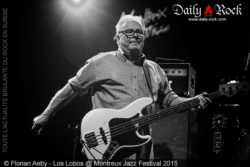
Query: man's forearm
[(179, 100), (61, 98)]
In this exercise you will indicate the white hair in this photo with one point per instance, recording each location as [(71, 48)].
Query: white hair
[(126, 18)]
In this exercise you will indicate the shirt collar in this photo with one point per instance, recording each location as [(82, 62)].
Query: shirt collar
[(120, 54), (123, 58)]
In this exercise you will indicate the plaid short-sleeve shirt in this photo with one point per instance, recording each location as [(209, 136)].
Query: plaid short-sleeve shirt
[(115, 81)]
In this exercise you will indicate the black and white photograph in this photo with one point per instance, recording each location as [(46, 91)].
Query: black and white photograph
[(125, 83)]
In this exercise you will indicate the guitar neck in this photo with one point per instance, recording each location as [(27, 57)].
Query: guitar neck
[(156, 116)]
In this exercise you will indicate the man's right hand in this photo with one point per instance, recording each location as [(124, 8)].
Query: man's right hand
[(40, 122), (61, 98)]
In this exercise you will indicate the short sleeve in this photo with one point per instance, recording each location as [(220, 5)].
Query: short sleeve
[(168, 93), (84, 78)]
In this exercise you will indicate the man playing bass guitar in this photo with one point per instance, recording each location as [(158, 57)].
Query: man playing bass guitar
[(116, 79)]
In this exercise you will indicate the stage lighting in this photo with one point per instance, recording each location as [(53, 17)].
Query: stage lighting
[(83, 26), (76, 3), (75, 6)]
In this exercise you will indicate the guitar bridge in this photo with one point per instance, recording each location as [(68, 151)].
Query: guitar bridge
[(91, 140)]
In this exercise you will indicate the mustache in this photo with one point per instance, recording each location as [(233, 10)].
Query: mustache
[(135, 39)]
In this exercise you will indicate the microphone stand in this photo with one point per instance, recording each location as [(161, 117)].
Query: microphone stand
[(76, 136)]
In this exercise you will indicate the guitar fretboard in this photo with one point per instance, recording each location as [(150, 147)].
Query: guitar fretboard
[(156, 116)]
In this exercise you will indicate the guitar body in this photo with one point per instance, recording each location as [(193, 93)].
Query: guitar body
[(106, 132)]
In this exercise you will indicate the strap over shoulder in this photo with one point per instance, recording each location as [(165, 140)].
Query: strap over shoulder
[(147, 76)]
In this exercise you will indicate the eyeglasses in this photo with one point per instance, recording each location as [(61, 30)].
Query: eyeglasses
[(131, 32)]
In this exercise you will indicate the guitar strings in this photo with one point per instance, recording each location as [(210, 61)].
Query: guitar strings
[(178, 107), (154, 116), (157, 113), (117, 131)]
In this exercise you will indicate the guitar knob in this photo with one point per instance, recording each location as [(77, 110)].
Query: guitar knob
[(106, 155)]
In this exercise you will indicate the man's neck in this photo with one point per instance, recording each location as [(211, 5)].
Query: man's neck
[(132, 56), (137, 60)]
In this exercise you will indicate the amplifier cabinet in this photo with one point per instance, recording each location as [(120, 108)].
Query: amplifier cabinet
[(181, 77), (173, 137)]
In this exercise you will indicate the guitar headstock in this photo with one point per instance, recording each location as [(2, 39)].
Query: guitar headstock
[(233, 87)]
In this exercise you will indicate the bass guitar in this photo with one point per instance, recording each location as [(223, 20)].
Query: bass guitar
[(107, 133)]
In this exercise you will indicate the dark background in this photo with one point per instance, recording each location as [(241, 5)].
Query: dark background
[(38, 65)]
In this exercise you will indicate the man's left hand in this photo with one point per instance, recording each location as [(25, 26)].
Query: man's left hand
[(204, 100)]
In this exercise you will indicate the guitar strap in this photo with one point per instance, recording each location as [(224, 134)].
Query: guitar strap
[(147, 76), (145, 150)]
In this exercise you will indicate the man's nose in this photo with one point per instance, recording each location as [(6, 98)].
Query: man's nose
[(136, 35)]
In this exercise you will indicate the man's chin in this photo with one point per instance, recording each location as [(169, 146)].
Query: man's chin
[(135, 47)]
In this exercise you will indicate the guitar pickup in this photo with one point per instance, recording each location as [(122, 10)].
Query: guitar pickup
[(104, 138), (91, 140)]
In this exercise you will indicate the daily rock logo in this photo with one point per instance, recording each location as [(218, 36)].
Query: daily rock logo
[(196, 11), (223, 10), (208, 11), (191, 10)]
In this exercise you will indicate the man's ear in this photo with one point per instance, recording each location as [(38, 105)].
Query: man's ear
[(117, 38)]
